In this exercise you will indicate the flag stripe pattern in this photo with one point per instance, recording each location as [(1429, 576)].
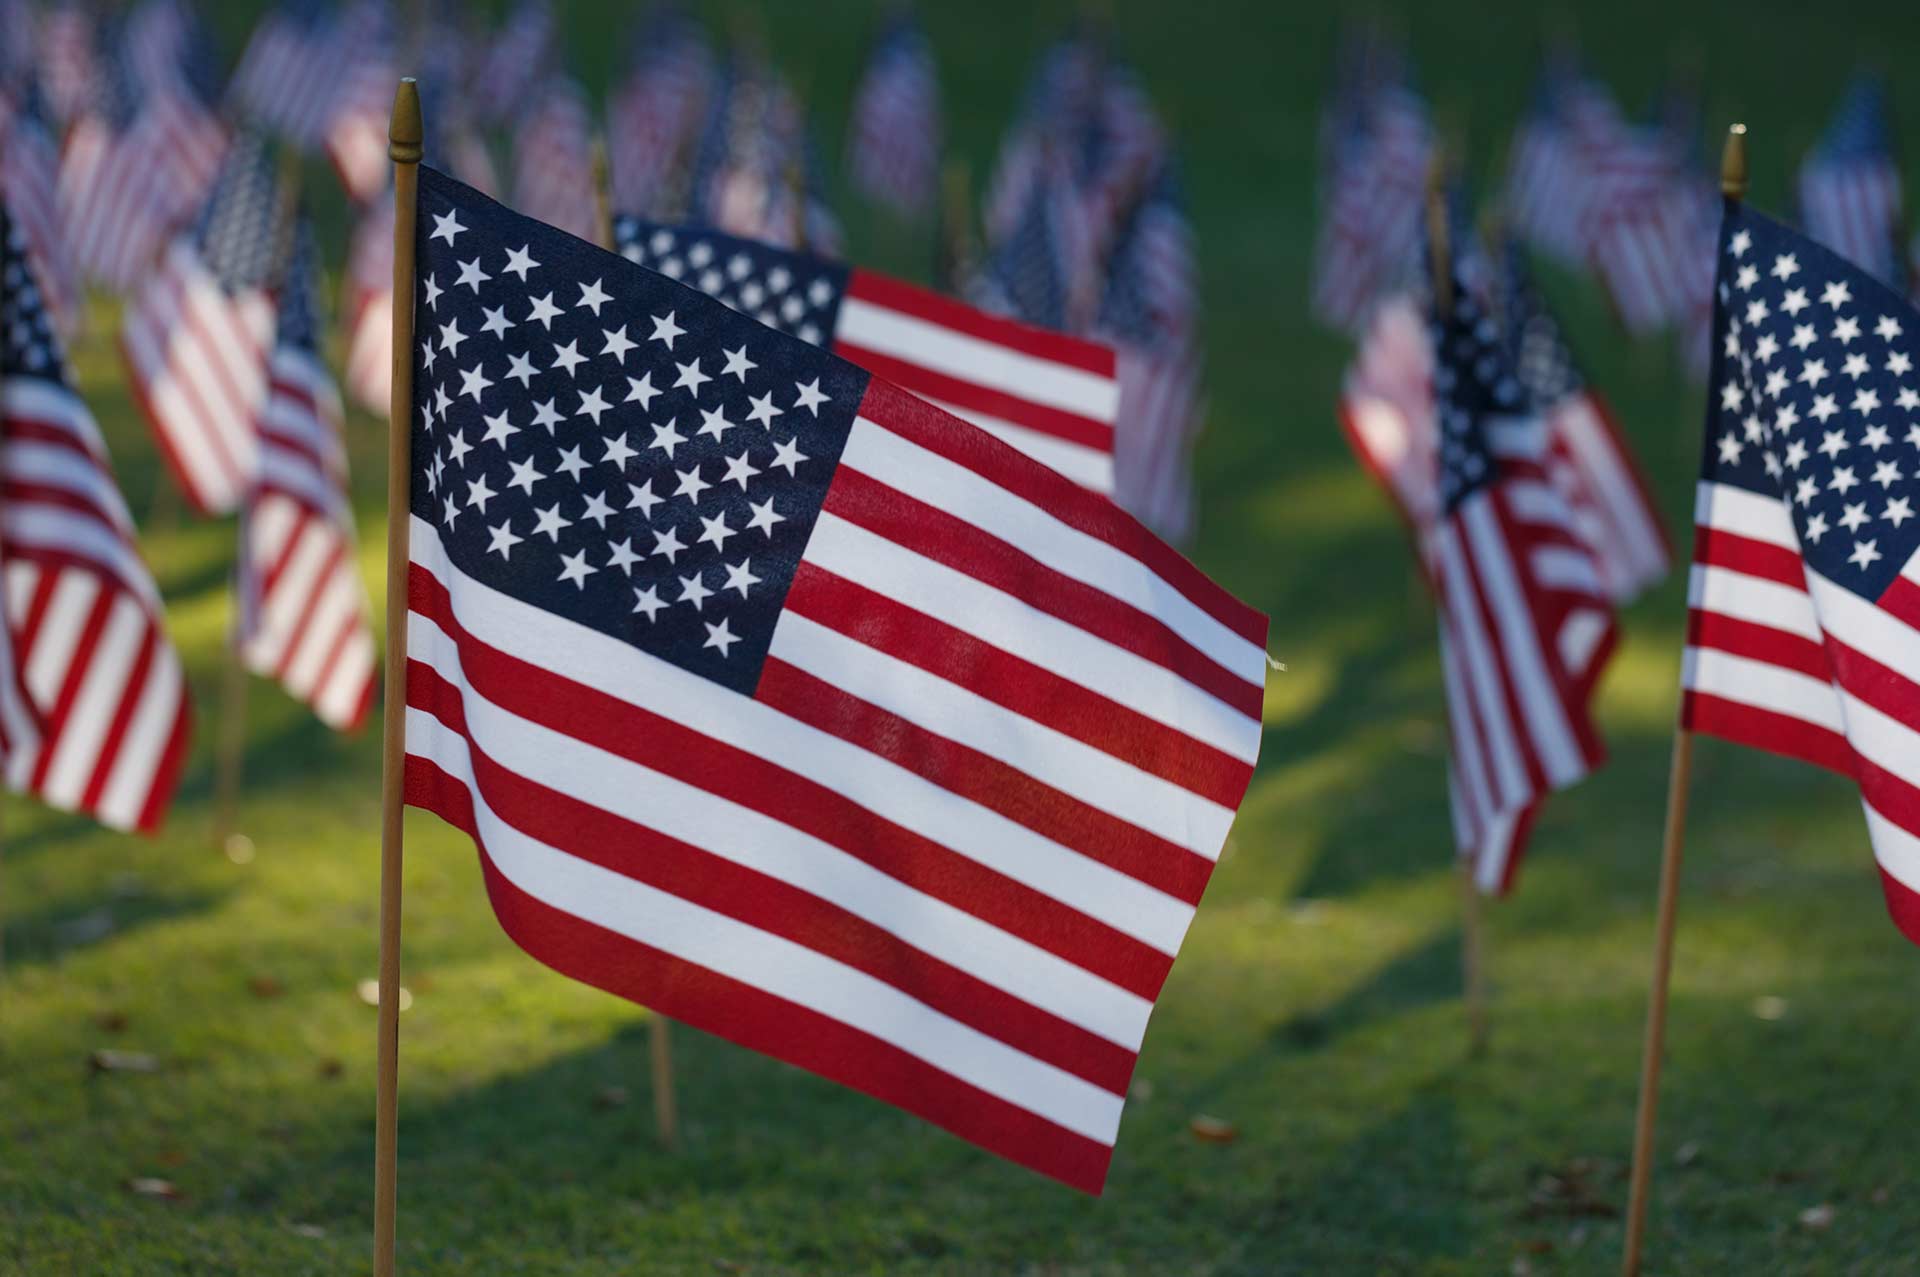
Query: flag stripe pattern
[(102, 676), (1052, 396), (852, 735), (1804, 615), (1850, 189)]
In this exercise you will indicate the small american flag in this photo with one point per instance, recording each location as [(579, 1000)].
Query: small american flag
[(1058, 101), (521, 54), (1850, 195), (654, 117), (303, 608), (69, 60), (288, 78), (893, 138), (82, 609), (1052, 396), (1370, 220), (753, 172), (197, 339), (794, 708), (1805, 599), (356, 130), (30, 181), (553, 178)]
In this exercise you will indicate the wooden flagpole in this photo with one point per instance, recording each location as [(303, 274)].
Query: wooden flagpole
[(953, 228), (1472, 942), (1733, 185), (405, 134), (666, 1107)]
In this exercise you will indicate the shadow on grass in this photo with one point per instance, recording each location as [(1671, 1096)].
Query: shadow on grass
[(49, 934), (1425, 976)]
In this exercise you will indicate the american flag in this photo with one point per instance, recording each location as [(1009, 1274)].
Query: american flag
[(553, 179), (1058, 101), (19, 43), (1557, 146), (30, 181), (303, 607), (794, 708), (654, 117), (69, 60), (1850, 194), (196, 341), (1370, 217), (1645, 215), (1052, 396), (83, 612), (519, 56), (356, 130), (1524, 623), (1045, 269), (1805, 598), (753, 173), (893, 138), (289, 75)]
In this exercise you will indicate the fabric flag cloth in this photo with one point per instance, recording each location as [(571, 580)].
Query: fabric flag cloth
[(655, 115), (196, 341), (753, 172), (303, 608), (1054, 397), (1805, 598), (30, 184), (893, 137), (796, 709), (356, 127), (288, 77), (1369, 242), (553, 179), (83, 614), (1850, 195)]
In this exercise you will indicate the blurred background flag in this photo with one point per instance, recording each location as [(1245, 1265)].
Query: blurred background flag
[(1804, 622), (1850, 194), (1380, 152), (852, 735), (30, 182), (84, 615), (521, 53), (1052, 396), (553, 179), (289, 75), (894, 135), (655, 114)]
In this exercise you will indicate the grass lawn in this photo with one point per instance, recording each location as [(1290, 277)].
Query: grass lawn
[(1316, 1005)]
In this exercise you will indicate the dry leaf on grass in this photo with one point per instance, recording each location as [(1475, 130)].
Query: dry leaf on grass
[(147, 1186), (265, 986), (1213, 1130), (122, 1062)]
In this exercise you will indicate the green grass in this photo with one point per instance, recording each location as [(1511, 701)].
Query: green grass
[(1316, 1005)]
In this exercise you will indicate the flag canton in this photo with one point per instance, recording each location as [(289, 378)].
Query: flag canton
[(28, 347), (297, 319), (1814, 399), (1859, 129), (240, 227), (1541, 356), (1473, 383), (797, 293), (594, 439), (1026, 276)]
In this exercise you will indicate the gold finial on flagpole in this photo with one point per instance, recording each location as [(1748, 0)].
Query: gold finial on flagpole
[(1733, 163)]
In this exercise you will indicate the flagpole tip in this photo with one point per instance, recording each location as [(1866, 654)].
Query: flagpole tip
[(405, 132), (1733, 163)]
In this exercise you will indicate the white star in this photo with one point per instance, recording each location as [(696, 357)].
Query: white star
[(1887, 328), (1784, 267), (810, 396), (739, 266), (1757, 311), (1766, 348), (458, 447), (446, 226), (1833, 443), (1899, 363), (1908, 398), (1730, 450), (1806, 492), (619, 452), (593, 297), (1731, 397), (740, 577), (648, 601), (1898, 511), (1876, 437), (666, 438), (1823, 407), (544, 414), (691, 377), (1745, 278), (693, 590), (551, 522), (691, 484), (544, 311), (1886, 473), (1836, 294), (618, 343), (764, 517), (1854, 366), (778, 278), (1866, 400), (700, 254), (478, 493), (738, 364), (721, 637), (1813, 372), (787, 455), (441, 402), (665, 330), (499, 430), (427, 354), (571, 463), (524, 476), (433, 293), (763, 410), (1739, 244), (503, 539), (568, 357), (713, 422), (1853, 517), (739, 470), (592, 404), (471, 275), (643, 499), (623, 555), (598, 510), (497, 322), (1816, 528), (474, 381), (1796, 454), (576, 569), (450, 511), (519, 262), (521, 370), (1776, 382), (1843, 480), (1803, 337), (451, 337), (641, 392), (715, 529), (1795, 301), (1865, 555), (669, 544), (1846, 329)]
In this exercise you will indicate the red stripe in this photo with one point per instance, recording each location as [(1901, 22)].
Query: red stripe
[(967, 397), (976, 450), (74, 673), (944, 538), (297, 633), (162, 436), (1714, 547), (1017, 685), (1764, 729), (1758, 642), (136, 684), (1571, 694), (750, 781), (759, 1021), (27, 627), (1902, 601), (1470, 592), (270, 574), (1903, 906), (1628, 463), (1057, 347)]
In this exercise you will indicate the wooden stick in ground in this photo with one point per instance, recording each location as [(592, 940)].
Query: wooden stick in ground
[(404, 137), (231, 757), (1733, 185), (666, 1108)]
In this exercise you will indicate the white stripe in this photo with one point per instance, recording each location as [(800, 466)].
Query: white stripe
[(52, 528), (1056, 760), (52, 405), (1725, 508), (1561, 567), (83, 733), (1762, 685), (58, 466), (972, 359), (1010, 624), (893, 793), (345, 686), (1865, 628), (337, 607), (768, 963), (1087, 466), (1471, 799), (1756, 600), (927, 477), (282, 606), (58, 636), (1609, 477), (1508, 775), (1534, 502), (1896, 850), (1880, 738)]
